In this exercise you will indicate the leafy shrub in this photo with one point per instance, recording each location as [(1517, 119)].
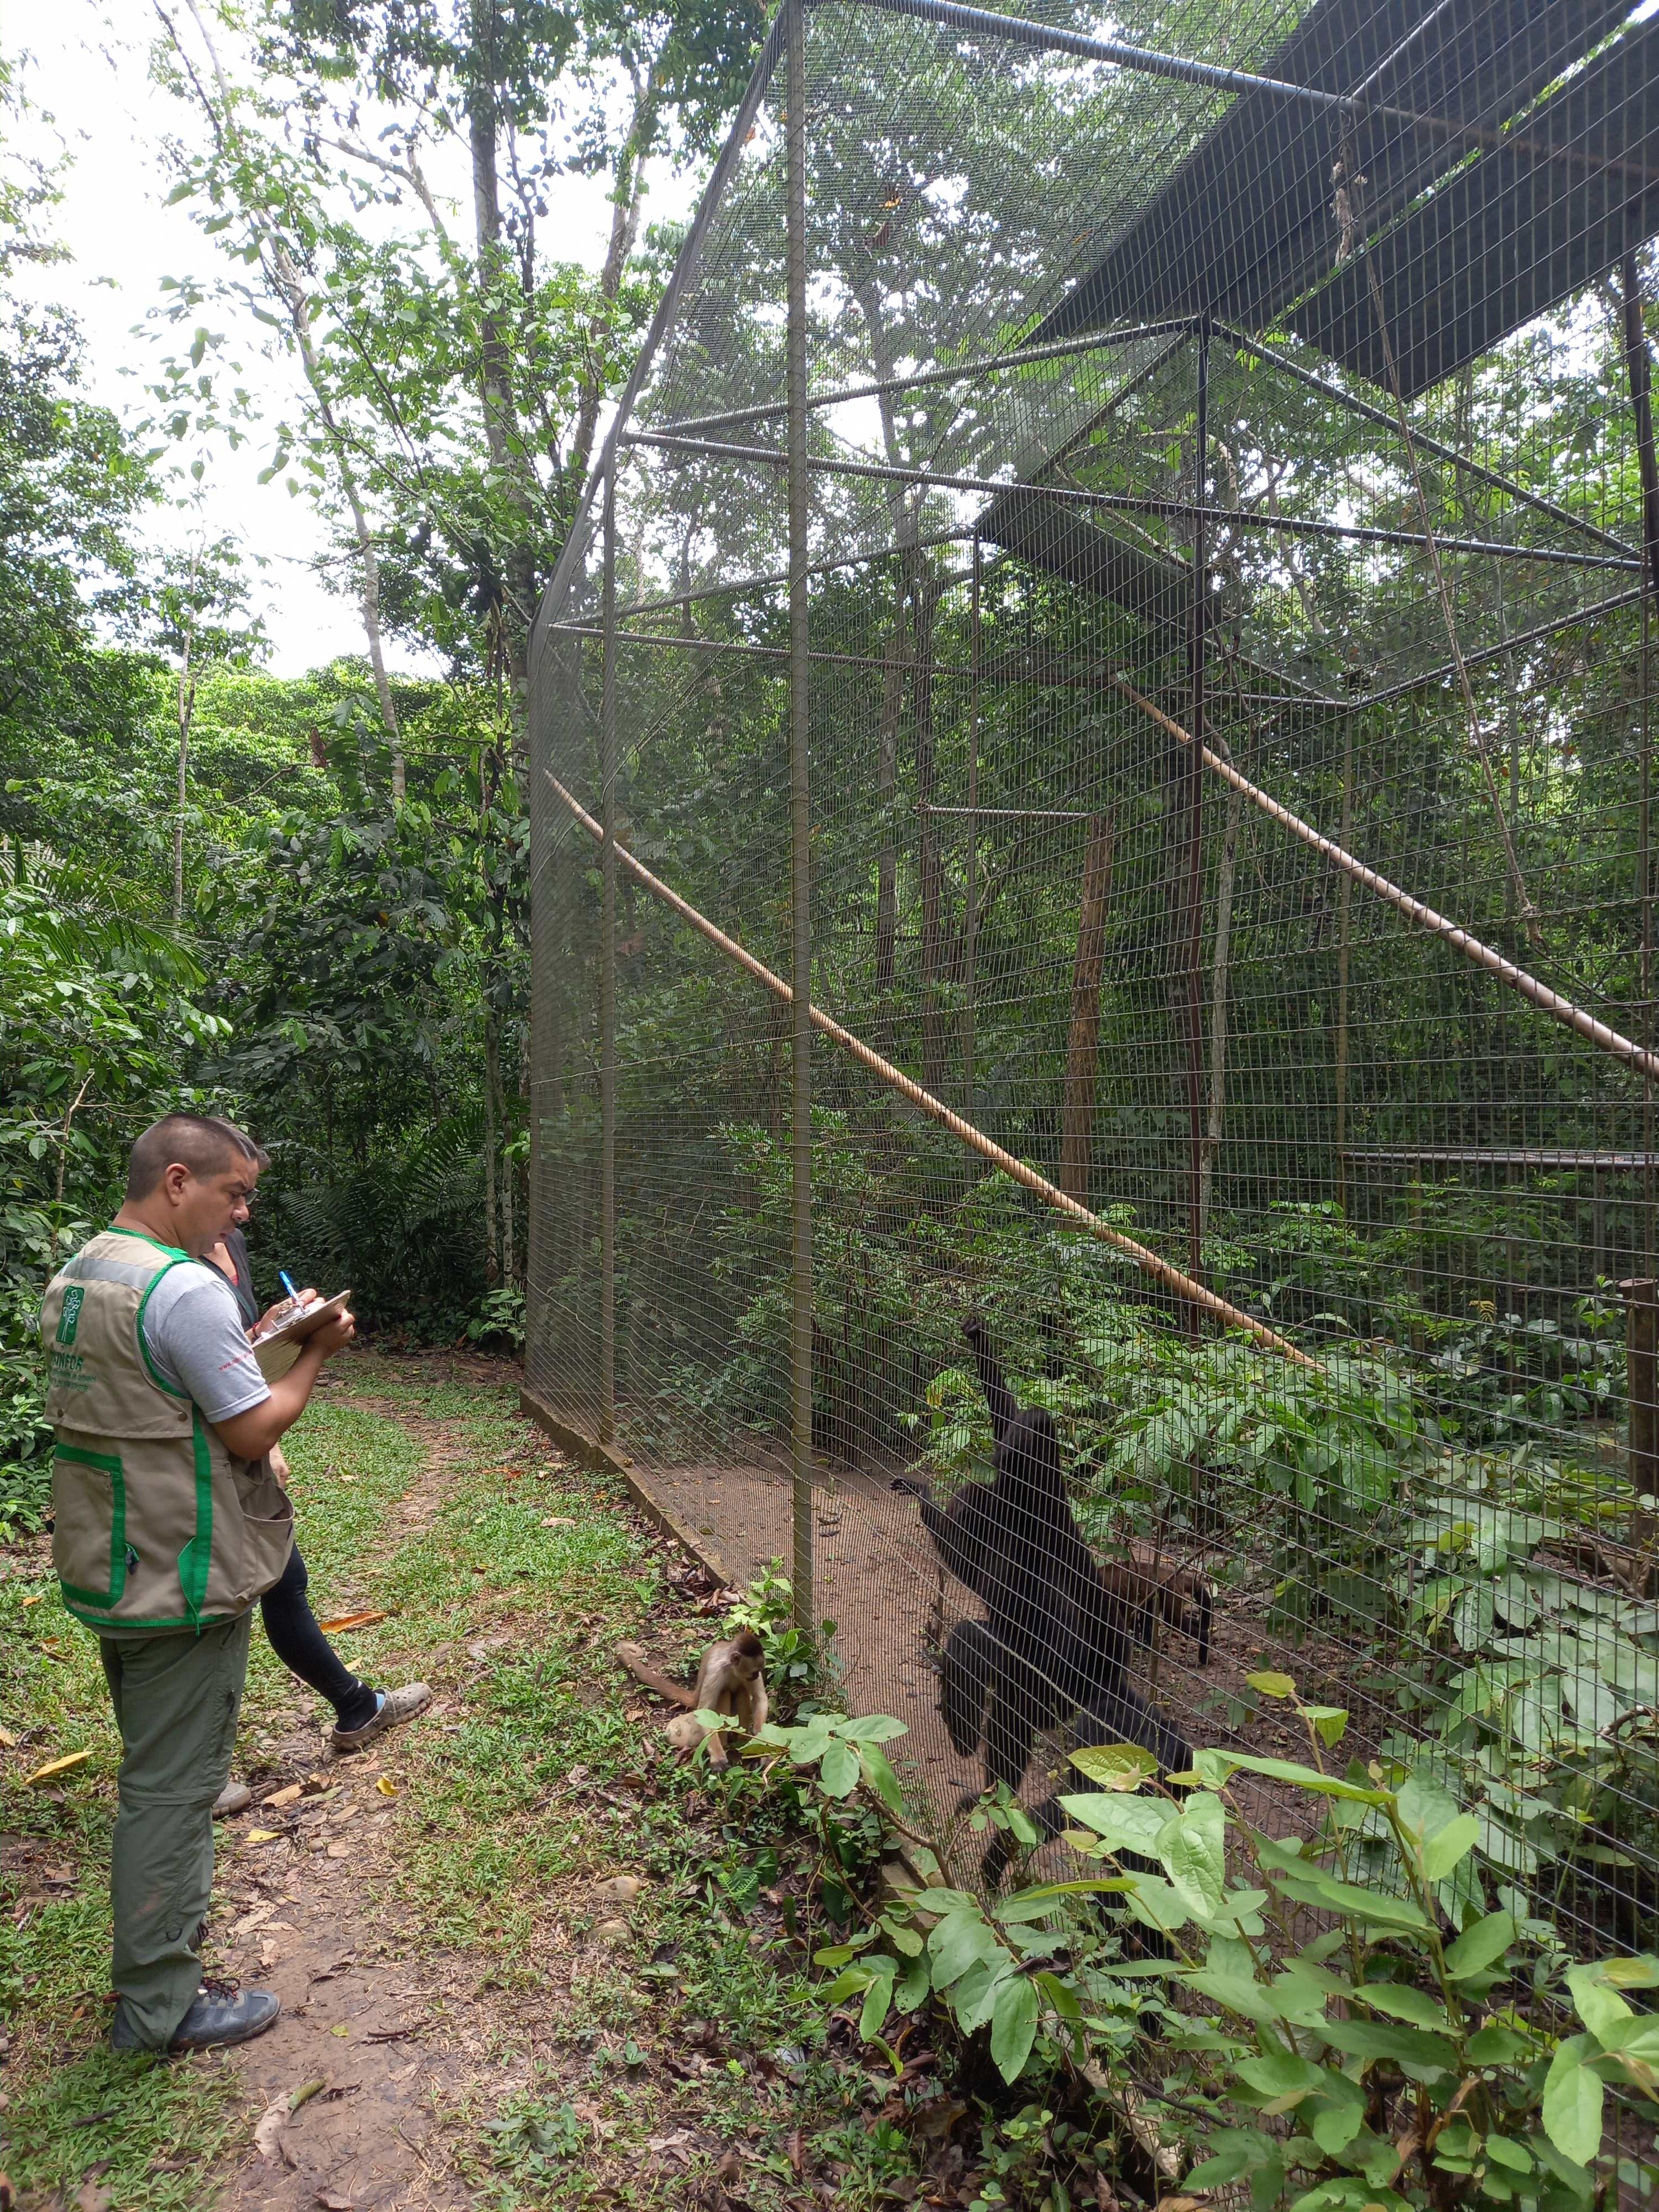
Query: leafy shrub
[(1431, 2046)]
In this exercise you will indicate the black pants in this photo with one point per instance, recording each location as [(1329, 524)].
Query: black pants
[(306, 1651)]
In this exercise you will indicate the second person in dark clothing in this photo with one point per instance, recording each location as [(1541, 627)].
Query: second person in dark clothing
[(360, 1711)]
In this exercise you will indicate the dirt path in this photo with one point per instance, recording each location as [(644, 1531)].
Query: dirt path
[(396, 2035)]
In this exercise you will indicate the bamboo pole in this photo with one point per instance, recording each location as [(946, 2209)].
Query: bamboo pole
[(608, 849), (1170, 1278), (1461, 941)]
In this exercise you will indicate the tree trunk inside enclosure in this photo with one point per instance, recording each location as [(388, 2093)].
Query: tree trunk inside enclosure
[(1077, 1126), (892, 702), (186, 708), (1220, 983), (1344, 939), (931, 865), (496, 1086), (492, 1263)]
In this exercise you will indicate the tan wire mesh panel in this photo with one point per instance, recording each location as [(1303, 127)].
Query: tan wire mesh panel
[(1398, 589)]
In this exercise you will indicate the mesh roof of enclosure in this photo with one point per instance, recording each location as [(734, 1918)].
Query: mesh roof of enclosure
[(973, 195)]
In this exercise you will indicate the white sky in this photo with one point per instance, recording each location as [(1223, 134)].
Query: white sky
[(87, 66)]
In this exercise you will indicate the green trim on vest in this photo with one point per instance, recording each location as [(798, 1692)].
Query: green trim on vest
[(161, 1274), (109, 1464), (104, 1626), (196, 1556)]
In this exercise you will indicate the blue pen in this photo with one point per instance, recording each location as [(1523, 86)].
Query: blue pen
[(286, 1284)]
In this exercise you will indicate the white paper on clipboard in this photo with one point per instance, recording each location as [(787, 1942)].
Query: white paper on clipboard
[(307, 1322)]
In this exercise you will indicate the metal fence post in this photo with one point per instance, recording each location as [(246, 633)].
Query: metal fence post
[(1641, 1296), (1190, 769), (608, 974), (800, 829)]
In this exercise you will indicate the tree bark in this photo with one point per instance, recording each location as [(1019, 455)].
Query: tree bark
[(1077, 1123), (492, 1264), (186, 708), (892, 701), (926, 598), (1220, 983)]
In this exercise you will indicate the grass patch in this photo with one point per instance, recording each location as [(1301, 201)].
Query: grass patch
[(685, 2012)]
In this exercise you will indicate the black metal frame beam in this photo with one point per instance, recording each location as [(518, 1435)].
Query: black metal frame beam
[(770, 411), (1126, 503)]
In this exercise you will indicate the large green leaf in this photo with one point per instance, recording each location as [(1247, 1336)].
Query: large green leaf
[(1410, 2047), (1573, 2098), (1377, 1908), (1013, 2026), (1303, 1777), (877, 2001), (1194, 1850), (1602, 2010), (839, 1770), (1480, 1946), (958, 1941), (1116, 1765), (1127, 1824), (1038, 1903), (1280, 2079), (1449, 1846)]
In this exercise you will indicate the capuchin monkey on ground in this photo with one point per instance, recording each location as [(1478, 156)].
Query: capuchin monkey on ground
[(730, 1682)]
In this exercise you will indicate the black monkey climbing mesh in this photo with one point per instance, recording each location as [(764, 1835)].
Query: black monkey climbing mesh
[(1229, 697)]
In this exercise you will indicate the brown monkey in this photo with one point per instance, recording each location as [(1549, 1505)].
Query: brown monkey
[(1145, 1588), (729, 1681)]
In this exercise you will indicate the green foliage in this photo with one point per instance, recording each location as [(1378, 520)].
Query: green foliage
[(1408, 2040), (800, 1664)]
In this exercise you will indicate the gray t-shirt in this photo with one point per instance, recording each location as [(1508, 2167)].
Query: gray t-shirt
[(195, 1336)]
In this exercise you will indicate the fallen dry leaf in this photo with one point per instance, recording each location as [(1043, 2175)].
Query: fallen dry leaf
[(269, 1952), (8, 1740), (91, 2196), (621, 1889), (352, 1620), (54, 1766), (558, 1521), (268, 2133), (331, 2200), (339, 1850), (796, 2149), (34, 1597), (261, 1835), (288, 1797), (387, 1786)]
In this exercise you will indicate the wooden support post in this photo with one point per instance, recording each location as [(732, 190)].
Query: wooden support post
[(1077, 1123), (608, 973)]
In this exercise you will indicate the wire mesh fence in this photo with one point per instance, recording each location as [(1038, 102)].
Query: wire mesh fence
[(1227, 702)]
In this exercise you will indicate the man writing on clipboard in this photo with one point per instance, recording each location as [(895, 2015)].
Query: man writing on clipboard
[(168, 1524)]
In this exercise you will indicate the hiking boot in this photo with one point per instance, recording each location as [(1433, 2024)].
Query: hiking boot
[(234, 1797), (226, 2016), (394, 1707)]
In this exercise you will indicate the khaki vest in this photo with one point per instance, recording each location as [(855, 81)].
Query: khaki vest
[(157, 1526)]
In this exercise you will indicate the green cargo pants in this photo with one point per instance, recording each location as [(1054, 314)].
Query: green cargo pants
[(176, 1699)]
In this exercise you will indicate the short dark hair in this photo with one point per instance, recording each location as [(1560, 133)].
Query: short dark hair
[(201, 1142)]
